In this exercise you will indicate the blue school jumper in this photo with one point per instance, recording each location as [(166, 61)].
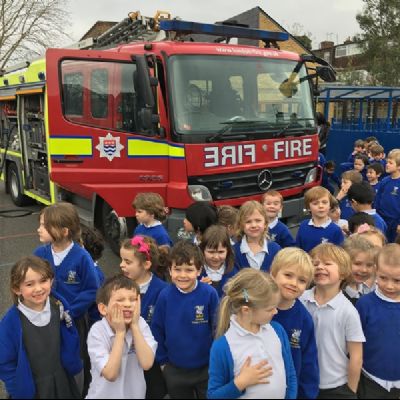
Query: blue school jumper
[(346, 210), (75, 279), (15, 370), (280, 234), (242, 262), (309, 236), (380, 321), (219, 286), (149, 299), (379, 221), (299, 326), (183, 326), (221, 374), (387, 204), (158, 233)]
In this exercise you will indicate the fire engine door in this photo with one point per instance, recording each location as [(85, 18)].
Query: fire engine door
[(97, 138)]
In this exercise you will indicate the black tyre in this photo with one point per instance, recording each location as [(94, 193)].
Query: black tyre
[(115, 228), (14, 187)]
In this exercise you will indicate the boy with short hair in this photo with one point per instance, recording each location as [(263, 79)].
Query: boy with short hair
[(387, 201), (360, 164), (380, 317), (319, 228), (278, 232), (337, 324), (121, 345), (377, 153), (359, 147), (334, 215), (361, 196), (348, 178), (150, 212), (329, 176), (183, 322), (293, 272), (374, 174)]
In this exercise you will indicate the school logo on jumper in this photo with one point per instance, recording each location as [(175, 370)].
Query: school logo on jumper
[(150, 313), (273, 237), (110, 147), (324, 240), (199, 315), (395, 191), (71, 277), (295, 338)]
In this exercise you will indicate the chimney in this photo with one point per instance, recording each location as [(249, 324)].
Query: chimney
[(326, 45), (348, 41)]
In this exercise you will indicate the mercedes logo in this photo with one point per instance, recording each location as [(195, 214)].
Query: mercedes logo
[(264, 179)]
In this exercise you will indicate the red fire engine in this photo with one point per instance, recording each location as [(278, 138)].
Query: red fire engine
[(189, 120)]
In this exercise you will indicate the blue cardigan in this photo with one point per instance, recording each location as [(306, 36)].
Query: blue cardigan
[(15, 370), (221, 377)]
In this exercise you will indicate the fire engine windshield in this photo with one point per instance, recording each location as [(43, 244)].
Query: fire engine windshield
[(214, 96)]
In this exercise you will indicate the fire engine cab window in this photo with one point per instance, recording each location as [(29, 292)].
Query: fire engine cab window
[(254, 97), (73, 93), (100, 94)]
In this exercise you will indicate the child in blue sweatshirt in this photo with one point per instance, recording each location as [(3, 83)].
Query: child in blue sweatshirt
[(39, 345), (348, 178), (76, 279), (251, 356), (139, 256), (293, 272), (320, 228), (254, 250), (150, 212), (183, 324), (380, 318), (277, 230), (219, 258), (387, 200)]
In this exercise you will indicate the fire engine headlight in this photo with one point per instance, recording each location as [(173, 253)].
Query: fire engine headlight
[(199, 193), (311, 176)]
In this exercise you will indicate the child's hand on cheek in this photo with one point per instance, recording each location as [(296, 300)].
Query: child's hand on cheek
[(117, 321), (136, 313)]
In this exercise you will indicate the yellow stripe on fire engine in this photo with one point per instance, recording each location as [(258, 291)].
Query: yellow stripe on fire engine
[(62, 146), (153, 149)]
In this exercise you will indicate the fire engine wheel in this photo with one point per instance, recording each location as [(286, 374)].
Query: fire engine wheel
[(115, 228), (14, 187)]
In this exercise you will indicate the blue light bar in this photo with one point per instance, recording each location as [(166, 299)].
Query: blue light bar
[(222, 30)]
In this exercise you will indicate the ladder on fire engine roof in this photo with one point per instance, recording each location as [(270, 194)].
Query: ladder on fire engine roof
[(161, 26), (132, 29)]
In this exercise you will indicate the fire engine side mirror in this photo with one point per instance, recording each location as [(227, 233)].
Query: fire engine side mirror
[(326, 73)]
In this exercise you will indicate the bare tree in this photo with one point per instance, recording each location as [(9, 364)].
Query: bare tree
[(28, 27)]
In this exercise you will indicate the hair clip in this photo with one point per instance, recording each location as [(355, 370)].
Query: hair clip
[(246, 295), (142, 246)]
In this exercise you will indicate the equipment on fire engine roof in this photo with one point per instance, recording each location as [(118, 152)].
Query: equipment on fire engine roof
[(161, 27)]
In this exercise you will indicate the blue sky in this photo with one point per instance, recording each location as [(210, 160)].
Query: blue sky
[(325, 19)]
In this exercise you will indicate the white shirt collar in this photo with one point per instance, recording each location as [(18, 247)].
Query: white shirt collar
[(372, 211), (244, 332), (383, 297), (309, 295), (154, 223), (144, 287), (59, 256), (324, 225), (37, 318), (195, 287), (244, 246), (215, 274), (273, 224)]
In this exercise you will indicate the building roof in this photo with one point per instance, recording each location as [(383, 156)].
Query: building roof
[(97, 29)]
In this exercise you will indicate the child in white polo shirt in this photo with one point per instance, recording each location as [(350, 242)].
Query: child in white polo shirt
[(337, 324), (121, 345)]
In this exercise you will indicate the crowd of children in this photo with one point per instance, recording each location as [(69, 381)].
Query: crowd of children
[(241, 310)]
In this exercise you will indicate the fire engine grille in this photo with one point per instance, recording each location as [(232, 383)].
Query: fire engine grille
[(240, 184)]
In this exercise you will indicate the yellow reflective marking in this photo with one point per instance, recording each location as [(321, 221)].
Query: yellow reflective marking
[(70, 146), (37, 198), (11, 153), (4, 98), (150, 148)]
